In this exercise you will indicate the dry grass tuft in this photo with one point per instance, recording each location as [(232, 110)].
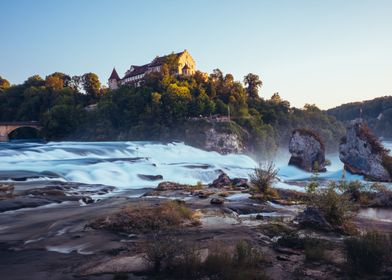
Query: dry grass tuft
[(147, 218)]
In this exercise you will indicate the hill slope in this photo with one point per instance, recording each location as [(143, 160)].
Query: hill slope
[(376, 112)]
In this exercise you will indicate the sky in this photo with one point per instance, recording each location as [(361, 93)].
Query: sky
[(325, 52)]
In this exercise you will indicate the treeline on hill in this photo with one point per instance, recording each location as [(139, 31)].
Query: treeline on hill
[(377, 113), (158, 110)]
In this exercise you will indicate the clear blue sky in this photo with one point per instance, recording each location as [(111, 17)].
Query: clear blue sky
[(324, 52)]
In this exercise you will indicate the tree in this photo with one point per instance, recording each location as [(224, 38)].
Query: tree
[(54, 82), (91, 84), (275, 98), (34, 81), (217, 75), (64, 77), (172, 63), (76, 83), (4, 84), (253, 84)]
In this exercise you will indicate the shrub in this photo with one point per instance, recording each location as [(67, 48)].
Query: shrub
[(247, 256), (314, 249), (145, 218), (335, 207), (161, 251), (172, 258), (263, 177), (291, 240), (368, 253), (275, 229)]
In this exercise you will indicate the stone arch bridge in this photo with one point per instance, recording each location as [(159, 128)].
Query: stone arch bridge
[(7, 127)]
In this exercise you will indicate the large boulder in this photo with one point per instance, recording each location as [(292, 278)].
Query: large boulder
[(311, 217), (363, 154), (224, 181), (307, 150)]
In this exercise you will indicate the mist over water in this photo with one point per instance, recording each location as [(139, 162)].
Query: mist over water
[(120, 164)]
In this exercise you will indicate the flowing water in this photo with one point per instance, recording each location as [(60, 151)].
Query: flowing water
[(123, 164)]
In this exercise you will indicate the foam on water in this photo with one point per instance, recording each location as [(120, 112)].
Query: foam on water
[(119, 163)]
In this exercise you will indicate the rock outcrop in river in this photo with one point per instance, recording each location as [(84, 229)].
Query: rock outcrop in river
[(363, 154), (307, 150)]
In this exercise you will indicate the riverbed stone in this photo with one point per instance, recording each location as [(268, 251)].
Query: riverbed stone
[(311, 217)]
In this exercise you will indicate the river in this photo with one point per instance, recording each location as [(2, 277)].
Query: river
[(124, 164)]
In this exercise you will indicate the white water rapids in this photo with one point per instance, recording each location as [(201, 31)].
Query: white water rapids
[(120, 164)]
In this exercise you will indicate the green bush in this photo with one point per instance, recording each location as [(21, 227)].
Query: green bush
[(334, 206), (172, 258), (314, 249), (368, 253)]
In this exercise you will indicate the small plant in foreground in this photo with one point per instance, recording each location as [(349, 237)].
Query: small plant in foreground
[(314, 249), (172, 258), (368, 253), (262, 179), (334, 206)]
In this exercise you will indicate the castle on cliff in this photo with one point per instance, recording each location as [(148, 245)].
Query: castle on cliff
[(135, 75)]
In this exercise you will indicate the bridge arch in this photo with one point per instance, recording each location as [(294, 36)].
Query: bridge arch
[(7, 127)]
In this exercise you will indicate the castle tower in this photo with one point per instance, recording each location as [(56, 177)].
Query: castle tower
[(113, 80)]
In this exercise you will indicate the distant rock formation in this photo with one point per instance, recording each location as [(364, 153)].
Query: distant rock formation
[(307, 150), (362, 153)]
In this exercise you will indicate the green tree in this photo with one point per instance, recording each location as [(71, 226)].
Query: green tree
[(253, 84), (54, 82), (4, 84), (34, 81), (91, 84)]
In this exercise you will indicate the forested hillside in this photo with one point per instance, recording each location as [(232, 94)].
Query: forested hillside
[(159, 109), (377, 113)]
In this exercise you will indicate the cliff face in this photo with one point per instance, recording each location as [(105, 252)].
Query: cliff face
[(362, 153), (307, 151), (222, 137)]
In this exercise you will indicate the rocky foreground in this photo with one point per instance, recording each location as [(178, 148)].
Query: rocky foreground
[(68, 235)]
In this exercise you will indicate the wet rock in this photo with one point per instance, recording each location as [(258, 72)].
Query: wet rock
[(87, 200), (222, 181), (6, 189), (22, 202), (198, 166), (382, 199), (150, 177), (171, 186), (204, 194), (217, 201), (240, 183), (307, 150), (311, 217), (246, 209), (283, 258), (48, 191), (363, 154)]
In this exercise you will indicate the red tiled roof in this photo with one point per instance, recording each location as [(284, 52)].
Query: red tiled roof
[(114, 75)]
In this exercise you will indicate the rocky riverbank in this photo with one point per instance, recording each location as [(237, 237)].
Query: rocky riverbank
[(64, 240)]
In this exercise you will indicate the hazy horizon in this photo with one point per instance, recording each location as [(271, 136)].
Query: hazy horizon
[(322, 52)]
